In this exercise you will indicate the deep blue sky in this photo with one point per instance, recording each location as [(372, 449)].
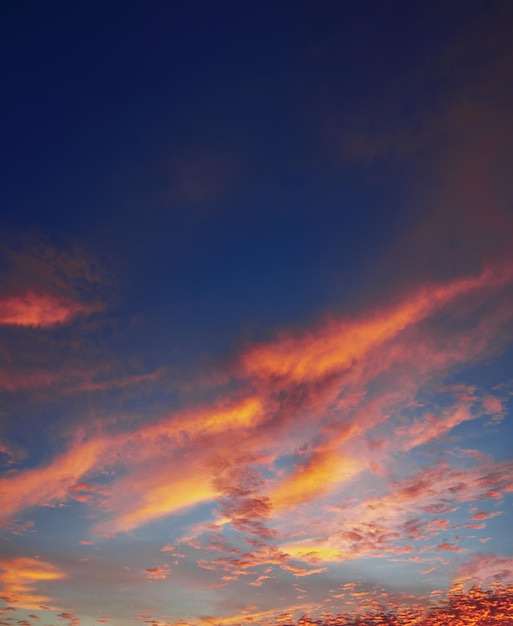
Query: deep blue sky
[(109, 106)]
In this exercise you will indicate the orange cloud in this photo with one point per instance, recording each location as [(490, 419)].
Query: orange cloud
[(45, 485), (176, 462), (159, 491), (175, 457), (226, 416), (337, 344), (20, 578), (302, 571), (251, 615), (315, 550), (157, 573), (39, 310), (349, 539), (324, 468), (392, 524), (151, 448)]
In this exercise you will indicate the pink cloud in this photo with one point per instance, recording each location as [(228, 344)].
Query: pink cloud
[(157, 573), (320, 418), (485, 515), (39, 310), (447, 546), (486, 568), (168, 548)]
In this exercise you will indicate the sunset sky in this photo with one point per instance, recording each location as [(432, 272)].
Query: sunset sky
[(256, 308)]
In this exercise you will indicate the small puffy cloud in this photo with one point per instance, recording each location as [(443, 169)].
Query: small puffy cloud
[(157, 573)]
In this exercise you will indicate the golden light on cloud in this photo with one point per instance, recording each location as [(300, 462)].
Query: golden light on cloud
[(152, 496), (324, 469), (20, 579), (48, 484), (335, 345), (316, 551)]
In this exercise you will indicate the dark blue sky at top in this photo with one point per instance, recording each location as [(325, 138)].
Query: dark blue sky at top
[(108, 107)]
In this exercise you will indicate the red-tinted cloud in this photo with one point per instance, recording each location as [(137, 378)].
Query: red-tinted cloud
[(39, 310), (485, 569), (157, 573)]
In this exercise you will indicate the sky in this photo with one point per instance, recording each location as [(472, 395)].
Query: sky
[(256, 309)]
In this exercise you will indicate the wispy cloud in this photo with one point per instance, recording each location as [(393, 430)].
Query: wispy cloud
[(39, 310), (286, 414), (21, 577), (299, 456)]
